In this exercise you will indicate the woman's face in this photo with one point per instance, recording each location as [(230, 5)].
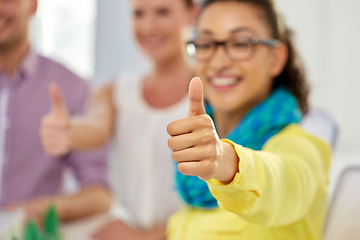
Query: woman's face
[(160, 26), (231, 85)]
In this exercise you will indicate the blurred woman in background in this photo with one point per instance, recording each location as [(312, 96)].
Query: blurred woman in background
[(268, 176), (134, 110)]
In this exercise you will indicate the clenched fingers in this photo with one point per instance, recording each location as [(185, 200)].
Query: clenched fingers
[(203, 169), (188, 125), (195, 154)]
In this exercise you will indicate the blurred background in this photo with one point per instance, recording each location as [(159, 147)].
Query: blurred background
[(65, 31), (94, 39)]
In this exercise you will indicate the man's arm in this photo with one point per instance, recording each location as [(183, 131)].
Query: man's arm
[(88, 201), (118, 230), (89, 168)]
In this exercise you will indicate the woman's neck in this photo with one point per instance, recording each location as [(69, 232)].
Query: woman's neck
[(172, 69), (168, 83), (226, 121)]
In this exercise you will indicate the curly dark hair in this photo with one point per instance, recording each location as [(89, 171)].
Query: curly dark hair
[(189, 3), (293, 74)]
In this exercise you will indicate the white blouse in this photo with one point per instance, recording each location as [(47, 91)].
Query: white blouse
[(141, 168)]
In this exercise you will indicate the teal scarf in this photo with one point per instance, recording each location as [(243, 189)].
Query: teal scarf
[(261, 123)]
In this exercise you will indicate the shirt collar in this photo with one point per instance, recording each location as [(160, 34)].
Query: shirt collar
[(28, 66)]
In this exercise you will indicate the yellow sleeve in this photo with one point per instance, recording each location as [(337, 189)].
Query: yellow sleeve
[(276, 186)]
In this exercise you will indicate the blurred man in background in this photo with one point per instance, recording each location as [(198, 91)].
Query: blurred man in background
[(29, 178)]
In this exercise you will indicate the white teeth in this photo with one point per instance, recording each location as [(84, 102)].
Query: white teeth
[(223, 82)]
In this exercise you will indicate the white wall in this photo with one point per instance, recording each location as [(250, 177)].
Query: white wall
[(327, 36), (64, 30), (116, 49)]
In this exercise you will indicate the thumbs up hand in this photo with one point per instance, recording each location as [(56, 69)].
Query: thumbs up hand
[(196, 145), (55, 126)]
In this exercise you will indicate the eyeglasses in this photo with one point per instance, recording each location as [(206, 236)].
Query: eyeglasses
[(237, 50)]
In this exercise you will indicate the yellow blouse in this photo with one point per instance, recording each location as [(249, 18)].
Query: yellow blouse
[(279, 193)]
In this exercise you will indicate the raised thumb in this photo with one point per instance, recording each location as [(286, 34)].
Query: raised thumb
[(57, 104), (196, 104)]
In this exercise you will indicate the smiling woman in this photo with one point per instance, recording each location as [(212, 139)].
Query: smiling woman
[(134, 110), (157, 26), (253, 42), (267, 175)]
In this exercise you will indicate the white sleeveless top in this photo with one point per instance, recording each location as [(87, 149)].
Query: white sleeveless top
[(141, 168)]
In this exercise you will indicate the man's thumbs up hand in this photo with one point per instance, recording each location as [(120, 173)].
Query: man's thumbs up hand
[(58, 107), (55, 126)]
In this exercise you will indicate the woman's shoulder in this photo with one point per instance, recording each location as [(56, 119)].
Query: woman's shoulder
[(297, 131), (126, 82), (126, 78), (295, 138)]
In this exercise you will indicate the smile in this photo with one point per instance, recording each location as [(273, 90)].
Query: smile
[(153, 41), (224, 83)]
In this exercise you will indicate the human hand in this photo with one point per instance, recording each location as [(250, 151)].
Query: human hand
[(34, 209), (56, 126), (196, 145), (118, 230)]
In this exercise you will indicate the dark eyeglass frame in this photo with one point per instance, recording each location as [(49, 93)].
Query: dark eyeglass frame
[(271, 42)]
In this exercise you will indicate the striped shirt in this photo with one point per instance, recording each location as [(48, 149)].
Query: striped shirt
[(26, 171)]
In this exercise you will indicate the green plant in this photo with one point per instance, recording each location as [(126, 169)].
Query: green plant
[(51, 223), (50, 231), (32, 231)]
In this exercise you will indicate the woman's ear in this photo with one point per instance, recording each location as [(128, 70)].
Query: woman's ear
[(280, 57), (34, 5)]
